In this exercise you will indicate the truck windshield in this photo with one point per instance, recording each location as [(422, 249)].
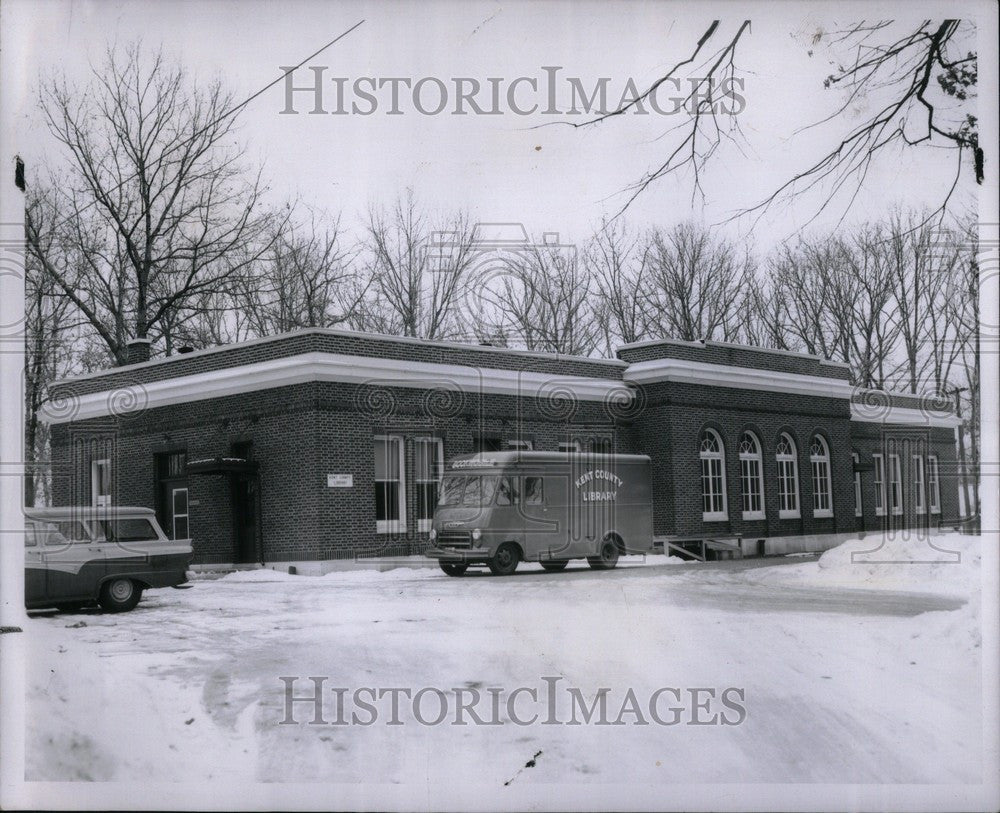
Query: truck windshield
[(471, 491)]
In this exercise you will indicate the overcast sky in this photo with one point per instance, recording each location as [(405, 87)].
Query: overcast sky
[(503, 168)]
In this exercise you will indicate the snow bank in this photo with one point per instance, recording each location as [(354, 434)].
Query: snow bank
[(945, 564)]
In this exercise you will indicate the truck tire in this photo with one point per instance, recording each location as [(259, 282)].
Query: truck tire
[(505, 560), (454, 568), (608, 556), (119, 595), (555, 565)]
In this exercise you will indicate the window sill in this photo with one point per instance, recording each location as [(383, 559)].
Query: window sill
[(879, 513), (789, 515), (715, 517), (936, 511), (754, 515), (390, 527), (827, 514), (424, 525)]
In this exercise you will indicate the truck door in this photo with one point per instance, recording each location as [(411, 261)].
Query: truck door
[(546, 522)]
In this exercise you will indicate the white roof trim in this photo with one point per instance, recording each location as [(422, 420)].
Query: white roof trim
[(723, 375), (902, 415), (351, 334), (318, 366)]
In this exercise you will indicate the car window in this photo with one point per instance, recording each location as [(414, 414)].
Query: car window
[(508, 492), (452, 490), (67, 530), (532, 491), (133, 529), (480, 491)]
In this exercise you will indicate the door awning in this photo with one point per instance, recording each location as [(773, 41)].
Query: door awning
[(222, 465)]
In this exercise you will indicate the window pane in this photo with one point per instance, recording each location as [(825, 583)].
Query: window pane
[(452, 490), (532, 490), (426, 499), (422, 460), (130, 530), (181, 528), (180, 501), (507, 491), (386, 501)]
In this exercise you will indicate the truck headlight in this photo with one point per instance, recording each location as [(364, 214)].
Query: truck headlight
[(433, 534), (477, 534)]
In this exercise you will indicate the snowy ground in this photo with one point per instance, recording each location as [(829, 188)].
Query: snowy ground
[(850, 672)]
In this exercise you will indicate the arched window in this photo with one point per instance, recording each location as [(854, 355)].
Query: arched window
[(819, 459), (751, 477), (788, 477), (713, 476)]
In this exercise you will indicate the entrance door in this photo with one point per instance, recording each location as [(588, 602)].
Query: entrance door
[(245, 517), (245, 507)]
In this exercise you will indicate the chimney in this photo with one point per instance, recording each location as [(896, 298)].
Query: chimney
[(138, 351)]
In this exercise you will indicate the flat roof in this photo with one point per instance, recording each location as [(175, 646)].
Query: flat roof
[(329, 331)]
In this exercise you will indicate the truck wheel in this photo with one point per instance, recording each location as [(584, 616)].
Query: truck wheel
[(608, 557), (454, 568), (119, 595), (555, 565), (505, 560)]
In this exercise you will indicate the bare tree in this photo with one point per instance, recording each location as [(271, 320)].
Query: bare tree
[(49, 333), (157, 206), (417, 265), (542, 300), (307, 279), (695, 284), (618, 264), (919, 81)]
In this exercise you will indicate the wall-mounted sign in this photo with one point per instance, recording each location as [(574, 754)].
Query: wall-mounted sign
[(340, 481)]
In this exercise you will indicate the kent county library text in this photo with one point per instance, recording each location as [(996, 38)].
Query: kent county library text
[(319, 445)]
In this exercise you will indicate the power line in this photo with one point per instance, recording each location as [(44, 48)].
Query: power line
[(232, 111)]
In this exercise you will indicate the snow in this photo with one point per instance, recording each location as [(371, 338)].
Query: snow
[(852, 670)]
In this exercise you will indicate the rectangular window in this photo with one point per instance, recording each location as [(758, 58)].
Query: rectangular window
[(507, 492), (788, 490), (179, 504), (390, 485), (532, 491), (919, 487), (821, 488), (879, 485), (858, 510), (934, 484), (521, 445), (750, 483), (895, 485), (428, 469), (570, 446), (713, 501), (100, 482)]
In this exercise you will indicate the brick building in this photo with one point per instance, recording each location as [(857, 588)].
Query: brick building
[(320, 444)]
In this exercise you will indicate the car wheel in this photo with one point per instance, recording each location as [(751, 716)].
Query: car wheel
[(119, 595), (454, 568), (608, 556), (555, 565), (505, 560)]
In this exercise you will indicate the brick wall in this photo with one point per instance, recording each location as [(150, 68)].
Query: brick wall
[(302, 433)]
